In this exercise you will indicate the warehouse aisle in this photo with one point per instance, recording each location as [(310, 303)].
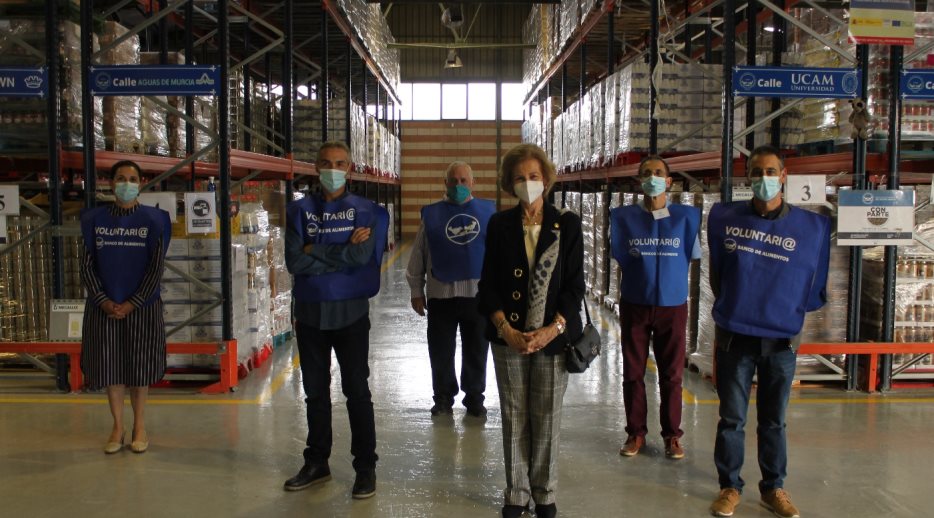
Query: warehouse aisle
[(217, 456)]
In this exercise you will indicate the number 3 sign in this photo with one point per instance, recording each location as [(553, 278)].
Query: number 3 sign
[(805, 189), (9, 200)]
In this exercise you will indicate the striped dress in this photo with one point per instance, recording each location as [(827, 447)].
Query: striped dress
[(129, 351)]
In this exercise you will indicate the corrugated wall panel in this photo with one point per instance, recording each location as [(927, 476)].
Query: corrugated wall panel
[(421, 23)]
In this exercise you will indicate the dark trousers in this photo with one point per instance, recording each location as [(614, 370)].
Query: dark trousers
[(735, 369), (444, 317), (351, 345), (665, 328)]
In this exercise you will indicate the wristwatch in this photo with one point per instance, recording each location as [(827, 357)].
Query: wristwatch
[(560, 325)]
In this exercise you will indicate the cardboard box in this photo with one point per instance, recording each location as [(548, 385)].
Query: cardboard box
[(204, 248), (176, 291), (176, 312)]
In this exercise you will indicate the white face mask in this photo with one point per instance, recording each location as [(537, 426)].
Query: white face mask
[(530, 191)]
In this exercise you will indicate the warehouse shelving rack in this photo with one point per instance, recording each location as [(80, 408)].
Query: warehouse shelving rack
[(598, 32), (281, 25)]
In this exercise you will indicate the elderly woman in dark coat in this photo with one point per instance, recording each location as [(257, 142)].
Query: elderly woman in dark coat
[(530, 291), (123, 342)]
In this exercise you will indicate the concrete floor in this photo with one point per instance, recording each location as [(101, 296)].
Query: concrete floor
[(850, 454)]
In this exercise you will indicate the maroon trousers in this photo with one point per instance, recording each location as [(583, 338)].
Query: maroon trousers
[(665, 328)]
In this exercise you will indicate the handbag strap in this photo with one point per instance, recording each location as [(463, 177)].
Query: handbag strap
[(561, 275)]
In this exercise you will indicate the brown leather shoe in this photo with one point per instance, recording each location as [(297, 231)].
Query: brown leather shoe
[(726, 503), (634, 443), (673, 449), (778, 501)]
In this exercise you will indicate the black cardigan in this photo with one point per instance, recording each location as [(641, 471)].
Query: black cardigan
[(504, 282)]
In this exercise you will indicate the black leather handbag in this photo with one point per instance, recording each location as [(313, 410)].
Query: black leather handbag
[(578, 354)]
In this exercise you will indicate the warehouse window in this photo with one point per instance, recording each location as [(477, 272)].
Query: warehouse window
[(481, 101), (459, 101), (513, 96), (428, 104), (454, 101), (405, 98)]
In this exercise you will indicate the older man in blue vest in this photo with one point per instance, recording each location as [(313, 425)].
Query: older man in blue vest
[(654, 244), (448, 251), (333, 247), (768, 267)]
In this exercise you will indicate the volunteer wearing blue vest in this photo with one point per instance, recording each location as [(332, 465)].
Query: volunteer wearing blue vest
[(448, 249), (530, 289), (123, 336), (654, 244), (768, 267), (333, 248)]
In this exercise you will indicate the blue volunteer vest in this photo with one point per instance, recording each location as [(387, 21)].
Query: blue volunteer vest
[(332, 223), (771, 271), (122, 246), (456, 238), (654, 255)]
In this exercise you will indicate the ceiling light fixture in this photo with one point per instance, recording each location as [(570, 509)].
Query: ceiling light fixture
[(453, 60)]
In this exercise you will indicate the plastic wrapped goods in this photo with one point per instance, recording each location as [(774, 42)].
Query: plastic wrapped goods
[(121, 113)]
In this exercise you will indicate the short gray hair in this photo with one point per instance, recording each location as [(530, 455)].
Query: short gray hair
[(454, 165), (337, 144)]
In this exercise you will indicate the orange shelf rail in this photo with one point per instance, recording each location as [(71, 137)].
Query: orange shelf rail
[(871, 349), (226, 350)]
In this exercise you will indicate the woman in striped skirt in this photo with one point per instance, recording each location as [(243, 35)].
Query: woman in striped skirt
[(123, 342)]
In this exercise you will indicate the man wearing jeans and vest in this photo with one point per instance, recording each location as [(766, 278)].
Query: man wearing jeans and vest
[(768, 267), (654, 244), (448, 250), (333, 247)]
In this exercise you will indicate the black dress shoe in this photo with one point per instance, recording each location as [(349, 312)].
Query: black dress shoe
[(309, 475), (365, 484), (513, 511), (441, 409), (546, 511), (476, 410)]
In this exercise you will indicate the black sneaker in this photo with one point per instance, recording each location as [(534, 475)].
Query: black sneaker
[(309, 475), (513, 511), (365, 484), (476, 410), (546, 511), (441, 409)]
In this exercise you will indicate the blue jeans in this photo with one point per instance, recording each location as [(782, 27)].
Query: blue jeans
[(735, 370), (351, 346)]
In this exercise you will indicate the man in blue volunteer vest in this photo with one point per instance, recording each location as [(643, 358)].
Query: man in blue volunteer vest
[(654, 244), (333, 247), (768, 267), (448, 250)]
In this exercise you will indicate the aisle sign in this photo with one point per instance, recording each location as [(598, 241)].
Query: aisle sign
[(23, 82), (9, 200), (66, 319), (199, 213), (155, 80), (830, 83), (161, 200), (916, 83), (870, 218), (882, 22), (805, 189)]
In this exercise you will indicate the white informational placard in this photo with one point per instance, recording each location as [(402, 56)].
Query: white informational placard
[(871, 218), (199, 213), (742, 193), (9, 200), (66, 319), (805, 189), (161, 200)]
